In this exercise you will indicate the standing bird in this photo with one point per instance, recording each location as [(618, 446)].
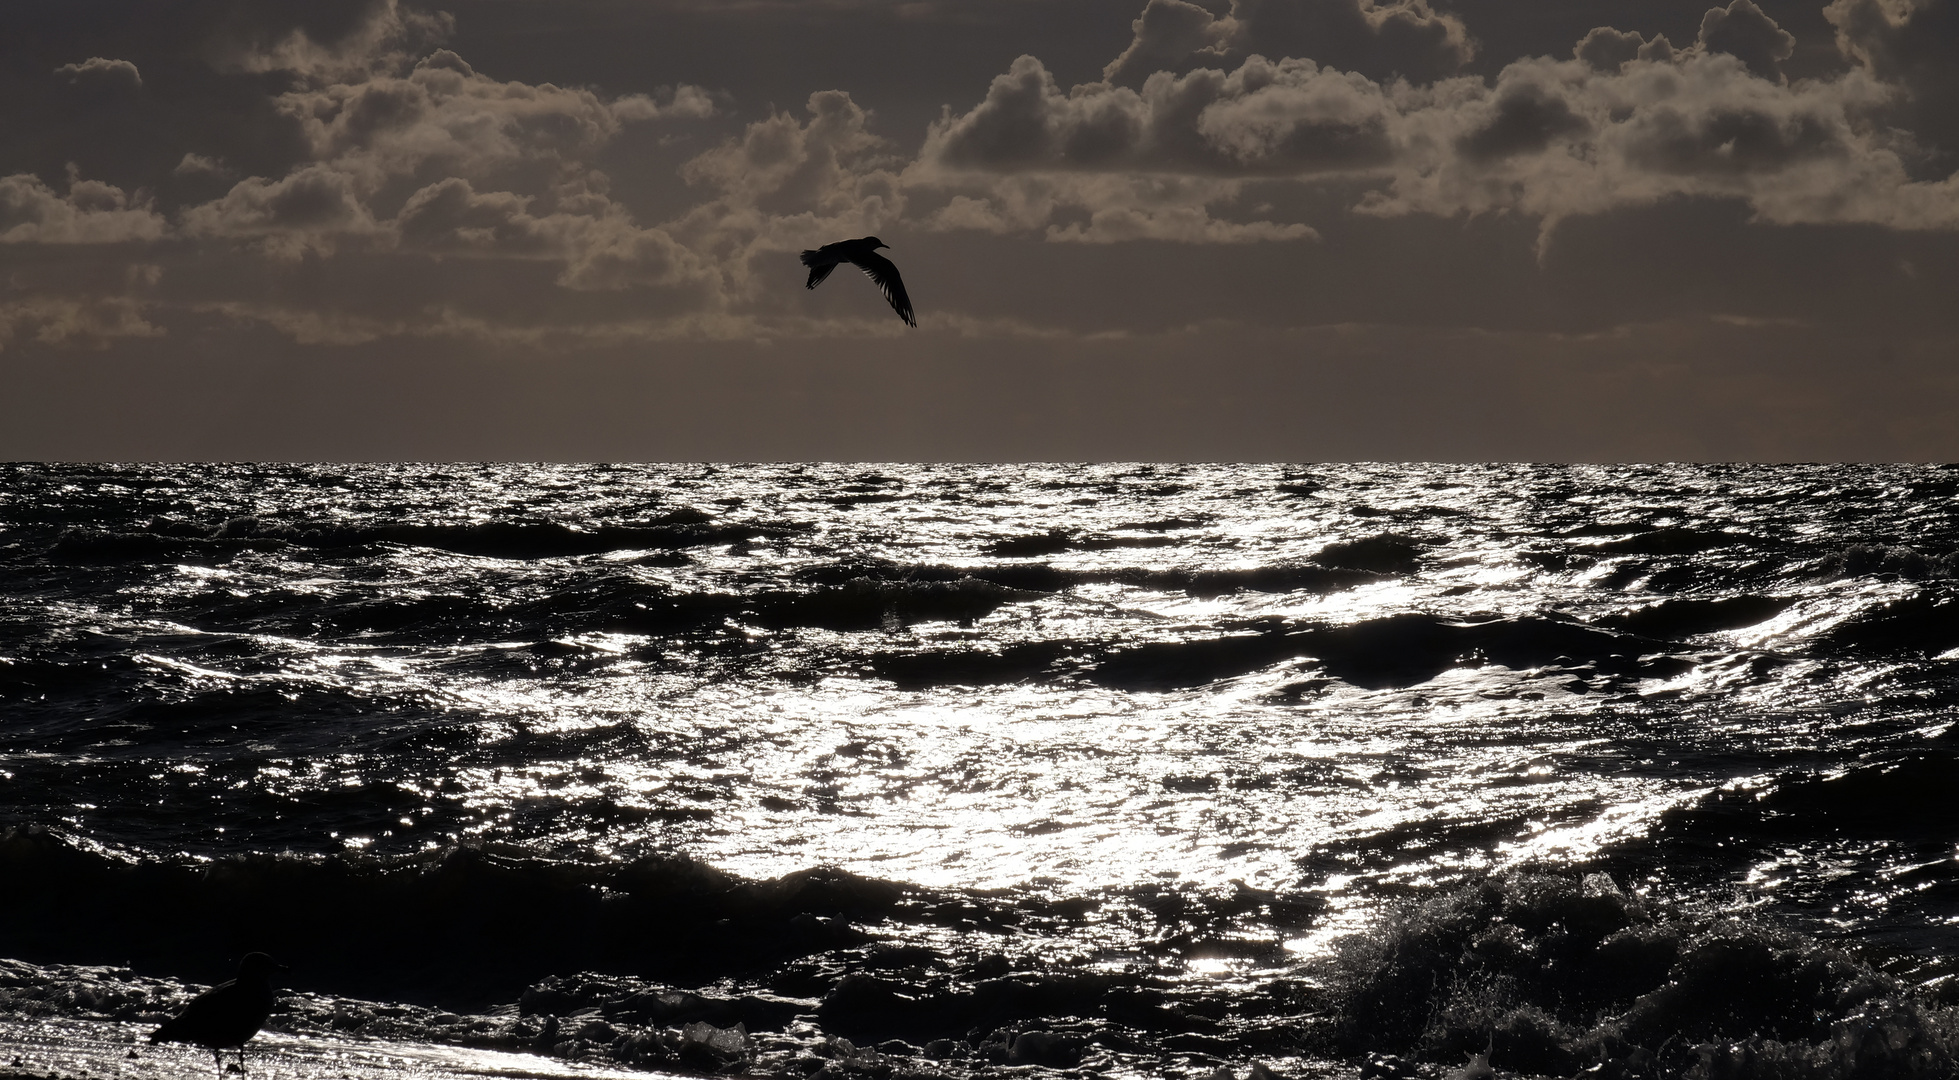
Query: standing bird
[(863, 255), (228, 1014)]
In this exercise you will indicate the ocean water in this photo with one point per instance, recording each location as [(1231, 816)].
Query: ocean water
[(907, 771)]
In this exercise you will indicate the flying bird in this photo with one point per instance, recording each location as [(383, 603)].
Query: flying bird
[(227, 1015), (862, 254)]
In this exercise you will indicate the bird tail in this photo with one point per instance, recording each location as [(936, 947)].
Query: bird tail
[(808, 256)]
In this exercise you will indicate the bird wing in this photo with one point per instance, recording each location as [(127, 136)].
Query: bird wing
[(194, 1023), (228, 1014), (817, 271), (885, 274)]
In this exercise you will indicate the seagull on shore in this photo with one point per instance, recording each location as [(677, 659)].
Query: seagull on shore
[(227, 1015), (862, 254)]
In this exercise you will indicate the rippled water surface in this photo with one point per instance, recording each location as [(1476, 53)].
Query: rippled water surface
[(1195, 724)]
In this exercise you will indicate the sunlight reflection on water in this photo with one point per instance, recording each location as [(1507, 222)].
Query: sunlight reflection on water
[(783, 688)]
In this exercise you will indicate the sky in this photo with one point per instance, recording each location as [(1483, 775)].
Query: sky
[(1275, 230)]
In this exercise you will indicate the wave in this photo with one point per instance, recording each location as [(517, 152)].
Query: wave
[(460, 924), (1016, 662), (869, 604), (1388, 553), (1056, 541), (1880, 560), (1308, 576), (1393, 652), (1903, 799), (1548, 973), (1922, 623), (1674, 541), (596, 962), (164, 538), (1691, 616), (1562, 975)]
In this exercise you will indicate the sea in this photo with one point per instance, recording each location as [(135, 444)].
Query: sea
[(935, 772)]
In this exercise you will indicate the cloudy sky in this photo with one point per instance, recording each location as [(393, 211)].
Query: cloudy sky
[(1169, 229)]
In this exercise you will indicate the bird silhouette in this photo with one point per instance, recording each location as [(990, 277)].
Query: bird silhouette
[(862, 253), (227, 1015)]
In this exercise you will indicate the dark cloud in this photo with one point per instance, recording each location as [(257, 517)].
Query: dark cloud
[(450, 216), (1526, 117), (774, 54), (99, 69), (1609, 50), (311, 209), (196, 164), (1913, 44), (91, 212), (1735, 140), (1659, 49), (1288, 117), (1404, 38), (1550, 139), (1742, 31), (1169, 33), (441, 115), (70, 322)]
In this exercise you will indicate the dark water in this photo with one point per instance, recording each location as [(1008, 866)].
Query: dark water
[(930, 770)]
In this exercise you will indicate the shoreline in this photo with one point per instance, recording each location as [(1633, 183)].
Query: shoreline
[(69, 1048)]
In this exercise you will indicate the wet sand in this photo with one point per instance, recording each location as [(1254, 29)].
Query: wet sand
[(71, 1049)]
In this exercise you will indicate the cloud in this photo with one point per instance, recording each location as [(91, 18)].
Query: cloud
[(91, 212), (1525, 118), (430, 155), (677, 102), (103, 70), (406, 158), (1169, 33), (1401, 37), (310, 325), (1102, 209), (1405, 38), (60, 320), (831, 167), (1266, 118), (1552, 139), (601, 249), (442, 115), (1148, 163), (194, 164), (1742, 31), (1913, 44), (1609, 50), (449, 215), (308, 211), (1628, 122), (611, 253), (307, 324), (384, 38), (1185, 224)]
